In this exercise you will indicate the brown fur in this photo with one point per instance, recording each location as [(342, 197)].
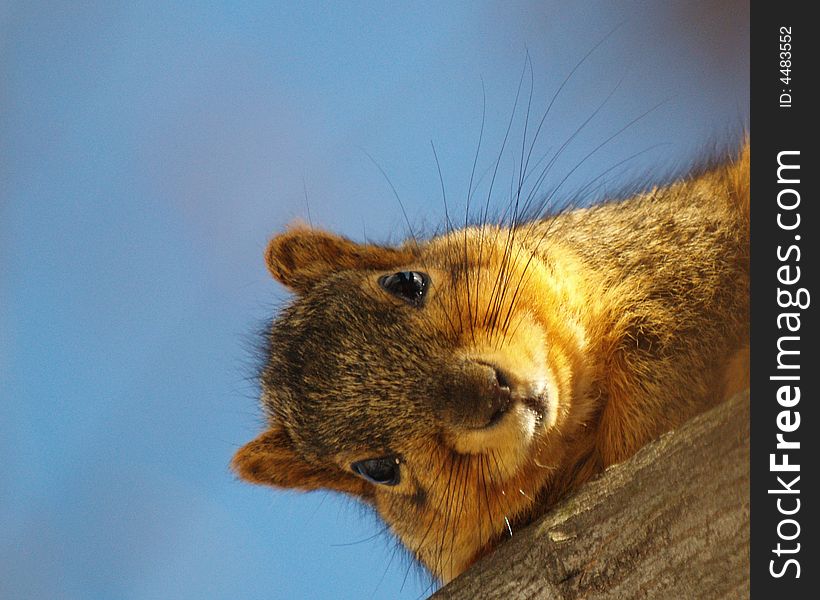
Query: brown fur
[(611, 325)]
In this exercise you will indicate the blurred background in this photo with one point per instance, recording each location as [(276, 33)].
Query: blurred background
[(148, 150)]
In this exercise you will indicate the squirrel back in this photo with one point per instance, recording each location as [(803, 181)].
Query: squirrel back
[(463, 384)]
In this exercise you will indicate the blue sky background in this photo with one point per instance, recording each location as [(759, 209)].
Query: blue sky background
[(148, 150)]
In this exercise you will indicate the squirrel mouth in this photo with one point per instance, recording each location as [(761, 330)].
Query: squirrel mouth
[(505, 412), (535, 404), (496, 417), (505, 395), (506, 398), (500, 396)]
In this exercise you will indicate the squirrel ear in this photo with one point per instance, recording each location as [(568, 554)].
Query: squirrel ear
[(300, 256), (270, 459)]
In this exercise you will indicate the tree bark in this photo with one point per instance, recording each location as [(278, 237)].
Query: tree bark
[(671, 522)]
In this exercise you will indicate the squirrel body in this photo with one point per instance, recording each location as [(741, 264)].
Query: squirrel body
[(464, 384)]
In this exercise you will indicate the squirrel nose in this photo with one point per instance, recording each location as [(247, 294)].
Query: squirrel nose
[(480, 395), (500, 396)]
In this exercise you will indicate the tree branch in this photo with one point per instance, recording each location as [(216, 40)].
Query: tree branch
[(671, 522)]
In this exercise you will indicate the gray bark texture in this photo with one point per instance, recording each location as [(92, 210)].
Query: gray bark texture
[(671, 522)]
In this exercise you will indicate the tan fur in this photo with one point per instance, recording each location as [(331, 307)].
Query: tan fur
[(611, 325)]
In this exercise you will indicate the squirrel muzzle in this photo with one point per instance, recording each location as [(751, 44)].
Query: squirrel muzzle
[(477, 396)]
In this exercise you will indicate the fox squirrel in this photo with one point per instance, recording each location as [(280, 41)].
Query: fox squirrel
[(463, 384)]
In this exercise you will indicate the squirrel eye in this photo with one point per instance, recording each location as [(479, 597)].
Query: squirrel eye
[(410, 286), (384, 470)]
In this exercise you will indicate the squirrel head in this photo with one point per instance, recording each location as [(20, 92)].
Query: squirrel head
[(431, 380)]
